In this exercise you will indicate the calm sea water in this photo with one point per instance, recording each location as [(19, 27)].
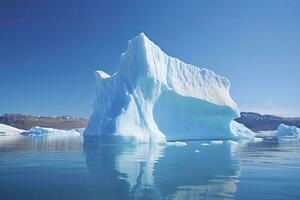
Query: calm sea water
[(66, 168)]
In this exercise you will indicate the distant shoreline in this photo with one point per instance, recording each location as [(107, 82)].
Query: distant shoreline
[(26, 122), (257, 122), (254, 121)]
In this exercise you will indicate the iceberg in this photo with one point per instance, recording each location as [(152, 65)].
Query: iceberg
[(287, 132), (155, 97), (41, 131), (6, 130), (241, 131), (266, 134)]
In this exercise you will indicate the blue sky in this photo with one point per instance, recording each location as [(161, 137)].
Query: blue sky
[(49, 50)]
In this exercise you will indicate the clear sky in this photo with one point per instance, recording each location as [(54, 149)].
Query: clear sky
[(49, 50)]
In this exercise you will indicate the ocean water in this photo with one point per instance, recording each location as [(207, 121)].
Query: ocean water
[(66, 168)]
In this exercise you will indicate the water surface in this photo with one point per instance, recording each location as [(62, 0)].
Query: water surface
[(67, 168)]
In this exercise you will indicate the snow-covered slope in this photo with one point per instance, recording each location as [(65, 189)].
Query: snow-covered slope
[(6, 130), (287, 132), (41, 131), (154, 97)]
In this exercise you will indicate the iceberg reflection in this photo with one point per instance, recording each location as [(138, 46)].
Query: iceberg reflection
[(151, 171), (40, 143)]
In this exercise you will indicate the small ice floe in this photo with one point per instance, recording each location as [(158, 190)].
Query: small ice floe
[(216, 142), (176, 143), (197, 151), (205, 144), (231, 142)]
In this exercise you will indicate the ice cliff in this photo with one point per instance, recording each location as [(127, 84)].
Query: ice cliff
[(154, 97)]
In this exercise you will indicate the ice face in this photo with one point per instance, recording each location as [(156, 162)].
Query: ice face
[(154, 97)]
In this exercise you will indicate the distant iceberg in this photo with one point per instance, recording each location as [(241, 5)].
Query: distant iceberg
[(241, 131), (154, 97), (41, 131), (6, 130), (287, 132)]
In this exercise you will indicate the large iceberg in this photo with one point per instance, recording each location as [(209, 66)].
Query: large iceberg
[(154, 97)]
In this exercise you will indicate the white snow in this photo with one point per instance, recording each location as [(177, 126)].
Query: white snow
[(287, 132), (154, 97), (6, 130), (41, 131)]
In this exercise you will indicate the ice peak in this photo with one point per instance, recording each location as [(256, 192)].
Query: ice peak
[(142, 34), (142, 37), (141, 40)]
